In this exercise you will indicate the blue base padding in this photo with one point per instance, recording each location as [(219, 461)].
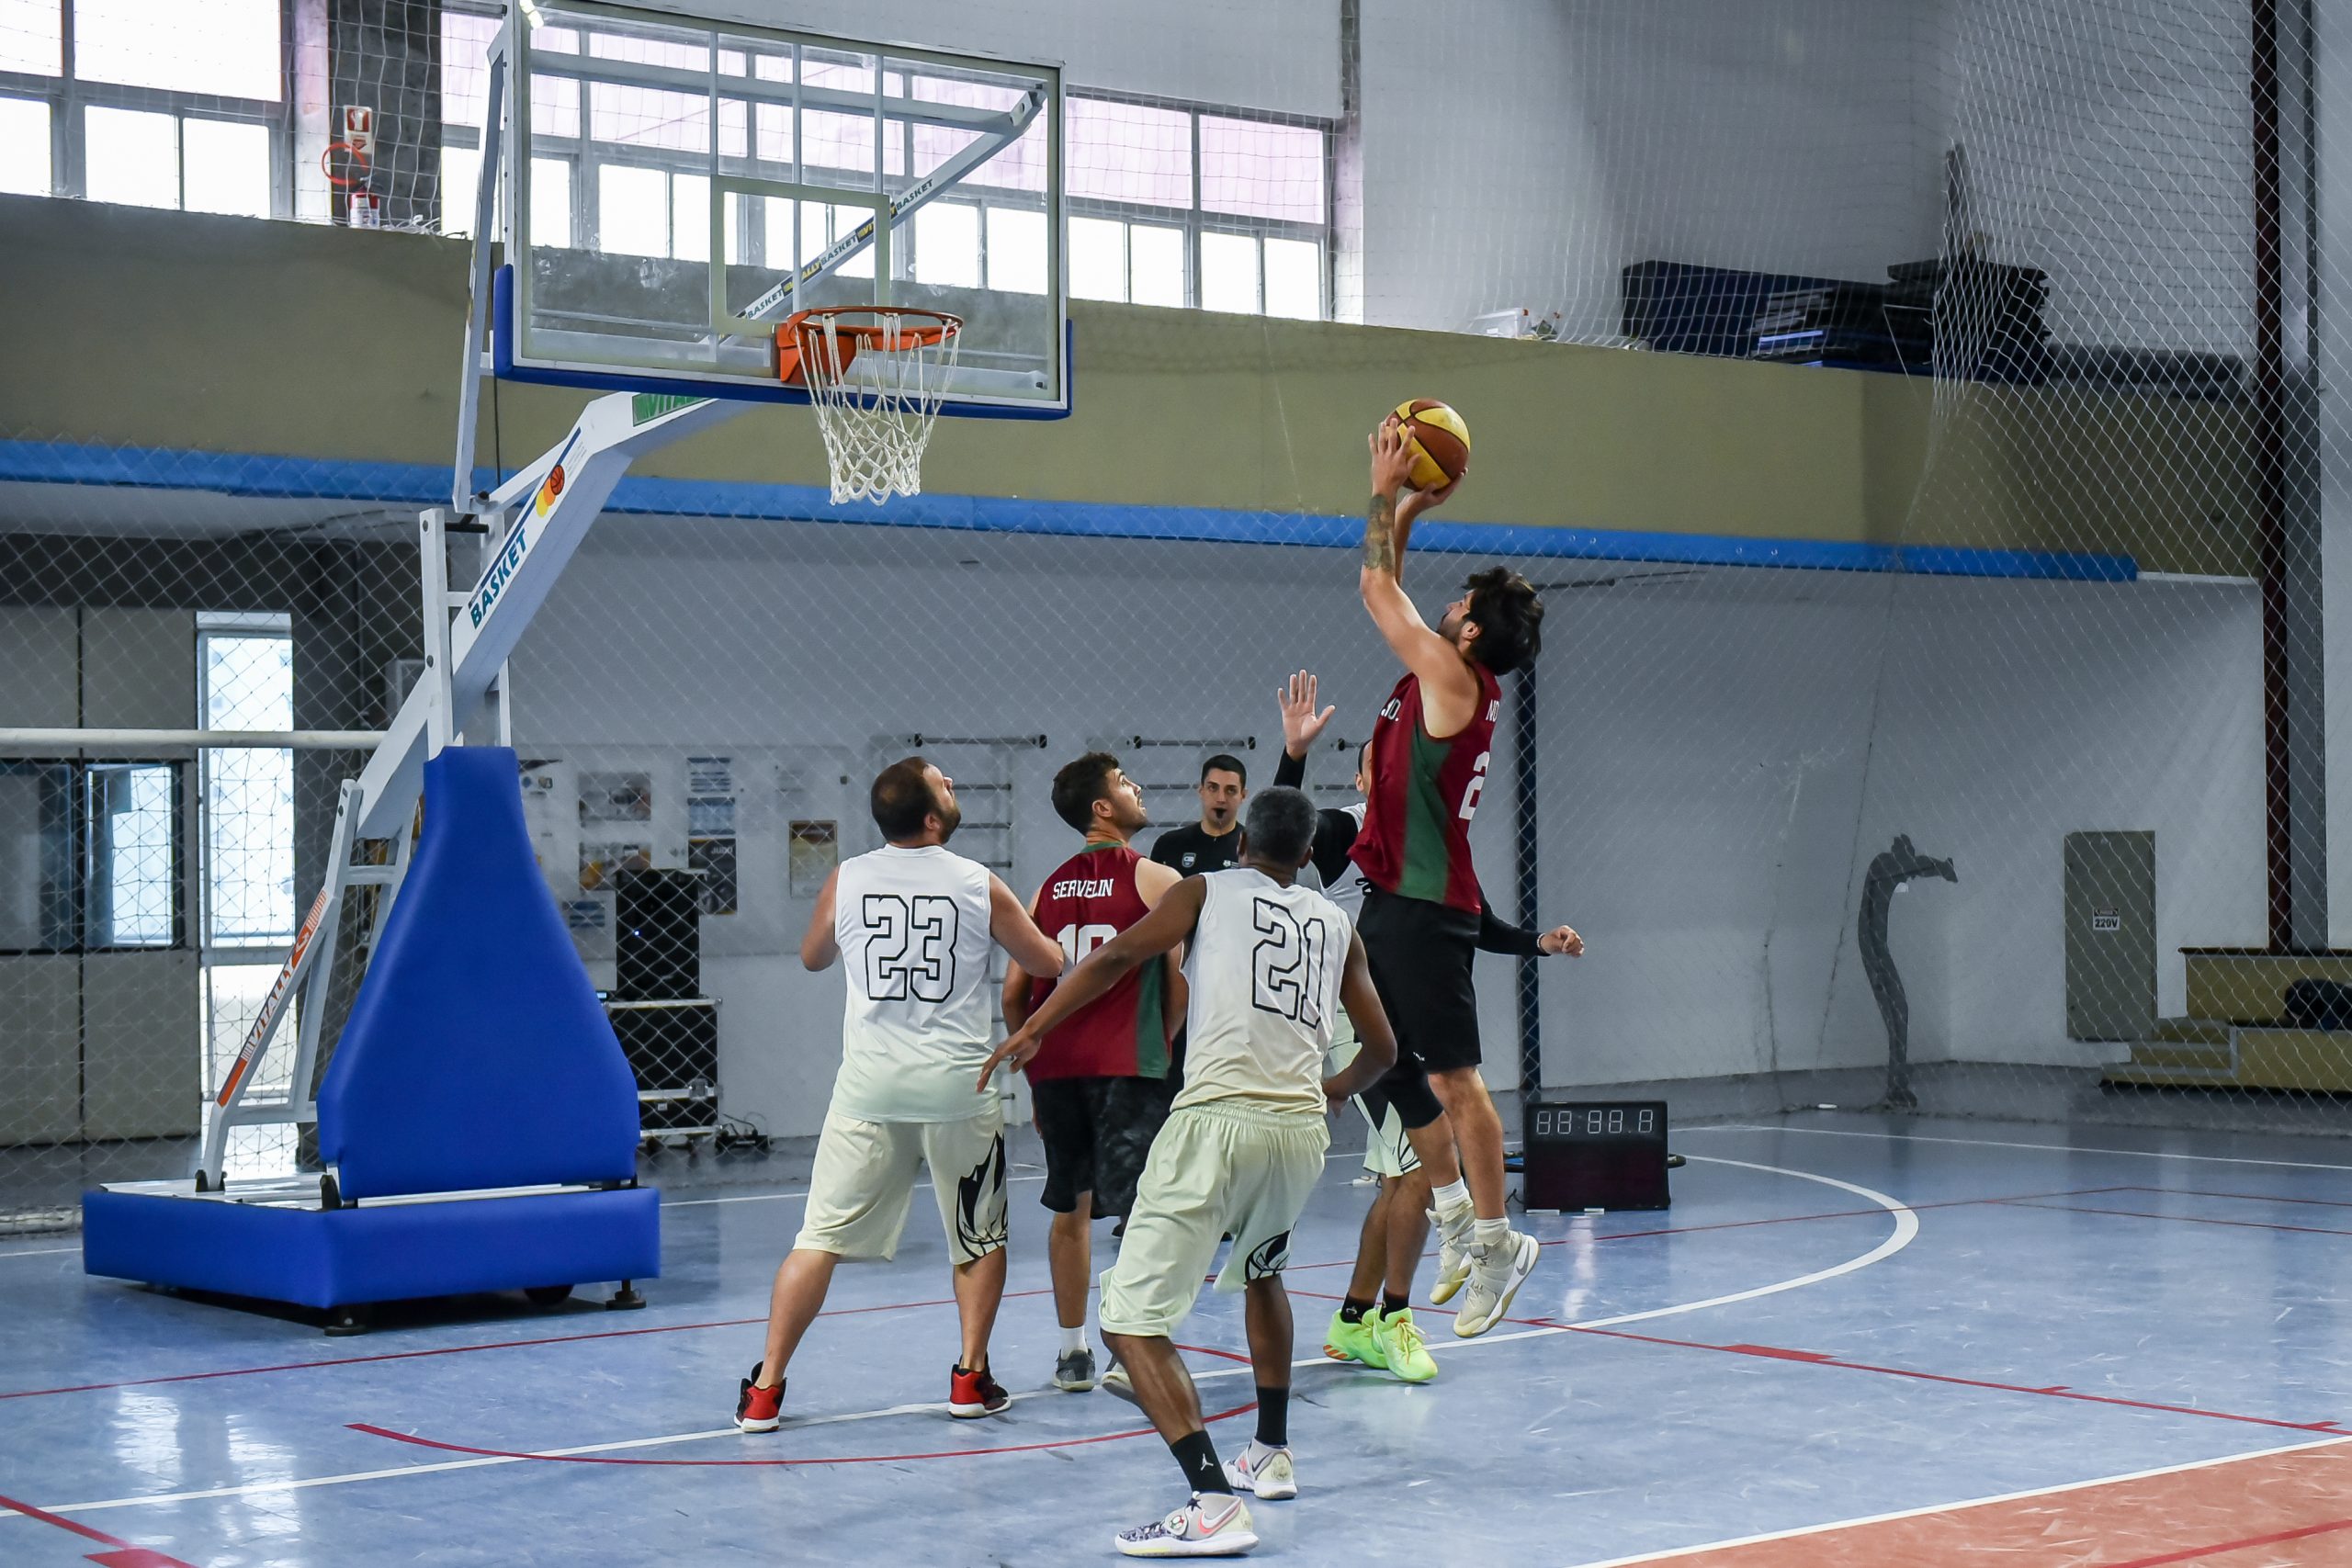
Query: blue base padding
[(322, 1258)]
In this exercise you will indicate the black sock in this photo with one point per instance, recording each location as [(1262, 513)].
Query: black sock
[(1389, 1303), (1273, 1415), (1197, 1456), (1352, 1311)]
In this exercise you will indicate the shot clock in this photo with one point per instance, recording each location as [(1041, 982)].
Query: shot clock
[(1595, 1154)]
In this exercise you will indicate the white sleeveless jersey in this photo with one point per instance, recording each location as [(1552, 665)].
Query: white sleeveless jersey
[(914, 930), (1264, 966)]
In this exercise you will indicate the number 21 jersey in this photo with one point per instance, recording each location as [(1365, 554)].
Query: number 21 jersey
[(1264, 966), (914, 930)]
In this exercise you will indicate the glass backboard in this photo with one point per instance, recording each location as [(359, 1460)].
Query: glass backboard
[(675, 187)]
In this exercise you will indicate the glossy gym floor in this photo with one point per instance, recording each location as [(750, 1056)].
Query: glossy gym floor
[(1850, 1342)]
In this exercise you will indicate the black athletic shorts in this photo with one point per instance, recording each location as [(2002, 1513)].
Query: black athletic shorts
[(1420, 954), (1098, 1134)]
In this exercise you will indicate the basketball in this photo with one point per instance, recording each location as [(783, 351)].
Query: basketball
[(1439, 439)]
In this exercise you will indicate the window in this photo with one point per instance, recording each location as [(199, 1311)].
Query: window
[(1176, 205), (24, 147), (245, 668), (89, 856), (246, 681), (150, 103)]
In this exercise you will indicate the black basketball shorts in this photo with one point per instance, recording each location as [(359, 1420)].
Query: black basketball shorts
[(1421, 955), (1098, 1133)]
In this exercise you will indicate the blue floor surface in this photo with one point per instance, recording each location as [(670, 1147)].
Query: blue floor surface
[(1840, 1317)]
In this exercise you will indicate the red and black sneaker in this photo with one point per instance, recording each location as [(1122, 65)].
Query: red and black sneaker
[(973, 1394), (759, 1409)]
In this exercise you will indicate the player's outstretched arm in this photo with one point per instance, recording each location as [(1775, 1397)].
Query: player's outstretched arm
[(818, 946), (1499, 935), (1387, 526), (1170, 923), (1015, 932), (1362, 1002)]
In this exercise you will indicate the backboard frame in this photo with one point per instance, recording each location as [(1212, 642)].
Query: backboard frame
[(517, 351)]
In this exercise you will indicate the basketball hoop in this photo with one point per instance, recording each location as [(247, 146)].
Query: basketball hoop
[(877, 374)]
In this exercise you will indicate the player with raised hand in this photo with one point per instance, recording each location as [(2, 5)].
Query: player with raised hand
[(1374, 1324), (1271, 963), (1426, 767)]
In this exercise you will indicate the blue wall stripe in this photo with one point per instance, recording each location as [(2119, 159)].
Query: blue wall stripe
[(420, 484)]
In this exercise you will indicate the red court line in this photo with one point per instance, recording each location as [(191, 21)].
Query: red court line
[(374, 1431), (2200, 1192), (2249, 1544), (1822, 1359), (2176, 1219), (125, 1555), (469, 1350), (1813, 1359)]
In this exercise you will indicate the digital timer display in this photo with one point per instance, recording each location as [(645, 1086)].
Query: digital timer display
[(1596, 1120), (1595, 1154)]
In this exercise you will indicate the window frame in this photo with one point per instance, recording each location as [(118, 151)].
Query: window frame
[(83, 839), (69, 96)]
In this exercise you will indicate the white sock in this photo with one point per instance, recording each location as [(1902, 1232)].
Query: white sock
[(1073, 1339), (1451, 1197), (1492, 1233)]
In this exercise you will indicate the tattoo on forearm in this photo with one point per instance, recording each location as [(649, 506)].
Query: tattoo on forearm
[(1380, 535)]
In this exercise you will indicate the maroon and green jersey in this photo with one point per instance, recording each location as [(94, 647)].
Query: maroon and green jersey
[(1415, 836), (1122, 1032)]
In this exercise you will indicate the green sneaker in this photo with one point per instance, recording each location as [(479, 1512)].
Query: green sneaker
[(1345, 1341), (1399, 1339)]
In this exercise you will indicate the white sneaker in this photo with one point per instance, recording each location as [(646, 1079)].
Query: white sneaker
[(1265, 1473), (1206, 1527), (1453, 1253), (1496, 1274), (1116, 1381)]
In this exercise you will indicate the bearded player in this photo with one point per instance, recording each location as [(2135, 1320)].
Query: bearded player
[(1426, 768), (1373, 1325)]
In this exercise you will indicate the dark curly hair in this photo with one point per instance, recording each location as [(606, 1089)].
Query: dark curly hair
[(1509, 613)]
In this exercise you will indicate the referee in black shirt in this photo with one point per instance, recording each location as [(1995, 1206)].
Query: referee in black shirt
[(1215, 842)]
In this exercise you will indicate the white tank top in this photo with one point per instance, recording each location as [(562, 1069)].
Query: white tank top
[(1264, 966), (914, 930)]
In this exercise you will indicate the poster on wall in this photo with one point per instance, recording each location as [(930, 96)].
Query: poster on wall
[(584, 914), (813, 850), (615, 797), (710, 830), (714, 858), (599, 860)]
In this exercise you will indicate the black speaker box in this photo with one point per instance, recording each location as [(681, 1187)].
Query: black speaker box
[(657, 935)]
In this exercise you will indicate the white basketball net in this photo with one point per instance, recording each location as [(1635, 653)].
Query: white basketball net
[(876, 378)]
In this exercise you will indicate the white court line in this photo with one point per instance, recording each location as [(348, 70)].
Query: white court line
[(1906, 1228), (1996, 1143), (38, 1252), (1670, 1554)]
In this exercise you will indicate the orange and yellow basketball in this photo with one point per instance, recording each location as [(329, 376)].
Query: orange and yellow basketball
[(1440, 440)]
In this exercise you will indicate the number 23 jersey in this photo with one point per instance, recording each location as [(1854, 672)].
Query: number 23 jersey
[(1264, 966), (913, 930)]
